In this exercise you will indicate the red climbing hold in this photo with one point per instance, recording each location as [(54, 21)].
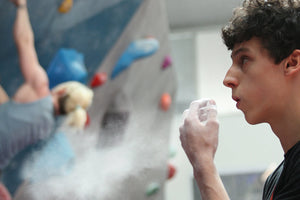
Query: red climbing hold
[(171, 171), (87, 122), (167, 62), (165, 101), (98, 79)]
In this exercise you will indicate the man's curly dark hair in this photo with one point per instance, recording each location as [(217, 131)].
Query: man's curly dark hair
[(275, 22)]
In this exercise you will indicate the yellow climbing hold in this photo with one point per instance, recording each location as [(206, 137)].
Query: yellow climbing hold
[(65, 6)]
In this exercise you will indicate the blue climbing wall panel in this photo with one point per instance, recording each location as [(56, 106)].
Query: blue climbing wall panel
[(91, 27)]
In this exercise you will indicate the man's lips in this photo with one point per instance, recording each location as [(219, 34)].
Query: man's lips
[(237, 100)]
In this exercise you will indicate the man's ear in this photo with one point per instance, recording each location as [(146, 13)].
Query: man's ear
[(292, 64)]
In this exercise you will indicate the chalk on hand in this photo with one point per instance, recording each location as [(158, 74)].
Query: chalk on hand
[(207, 110)]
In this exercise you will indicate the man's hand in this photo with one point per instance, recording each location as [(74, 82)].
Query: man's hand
[(199, 133), (199, 138)]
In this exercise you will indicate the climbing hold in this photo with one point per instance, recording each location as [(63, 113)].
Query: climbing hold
[(67, 65), (165, 101), (152, 188), (98, 79), (171, 171), (167, 62), (65, 6), (87, 122), (136, 50)]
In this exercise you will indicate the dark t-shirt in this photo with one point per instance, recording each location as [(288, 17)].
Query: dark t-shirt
[(285, 180)]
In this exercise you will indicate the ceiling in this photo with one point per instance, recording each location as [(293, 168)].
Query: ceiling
[(185, 14)]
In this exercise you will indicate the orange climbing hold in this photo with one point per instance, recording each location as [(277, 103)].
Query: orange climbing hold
[(98, 79), (65, 6), (171, 171), (165, 101)]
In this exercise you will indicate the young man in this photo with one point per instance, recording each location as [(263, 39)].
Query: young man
[(263, 36), (29, 116)]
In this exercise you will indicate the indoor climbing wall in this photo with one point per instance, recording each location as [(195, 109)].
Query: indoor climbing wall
[(123, 152), (89, 27), (143, 121)]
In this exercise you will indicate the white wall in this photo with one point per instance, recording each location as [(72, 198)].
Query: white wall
[(212, 62), (242, 147), (183, 54)]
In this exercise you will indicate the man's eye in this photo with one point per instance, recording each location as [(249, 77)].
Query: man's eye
[(244, 60)]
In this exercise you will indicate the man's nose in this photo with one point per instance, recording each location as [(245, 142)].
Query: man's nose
[(230, 79)]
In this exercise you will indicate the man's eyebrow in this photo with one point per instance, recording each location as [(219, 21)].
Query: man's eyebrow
[(242, 49)]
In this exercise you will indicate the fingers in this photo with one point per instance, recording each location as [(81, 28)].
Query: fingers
[(193, 110), (201, 110), (199, 132), (212, 111), (185, 114)]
